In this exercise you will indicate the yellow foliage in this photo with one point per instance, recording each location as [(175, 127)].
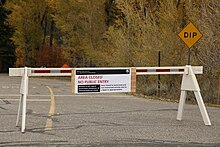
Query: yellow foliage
[(20, 57)]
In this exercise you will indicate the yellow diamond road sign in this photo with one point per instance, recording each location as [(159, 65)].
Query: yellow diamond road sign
[(190, 35)]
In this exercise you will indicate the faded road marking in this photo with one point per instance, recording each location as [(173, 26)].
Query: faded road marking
[(29, 100), (49, 122)]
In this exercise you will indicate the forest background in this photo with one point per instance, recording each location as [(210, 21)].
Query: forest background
[(113, 33)]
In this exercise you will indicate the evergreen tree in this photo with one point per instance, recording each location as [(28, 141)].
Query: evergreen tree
[(7, 51)]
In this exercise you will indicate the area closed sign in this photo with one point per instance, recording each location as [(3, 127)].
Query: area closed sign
[(190, 35), (102, 80)]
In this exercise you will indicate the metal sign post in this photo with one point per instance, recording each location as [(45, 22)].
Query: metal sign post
[(189, 57)]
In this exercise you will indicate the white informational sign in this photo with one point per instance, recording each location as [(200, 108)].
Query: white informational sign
[(102, 80)]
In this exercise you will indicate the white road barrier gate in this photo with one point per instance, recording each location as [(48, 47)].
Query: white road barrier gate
[(189, 83)]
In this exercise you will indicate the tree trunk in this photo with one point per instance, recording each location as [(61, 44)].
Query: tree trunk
[(51, 33)]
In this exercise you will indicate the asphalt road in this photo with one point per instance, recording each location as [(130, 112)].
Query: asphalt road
[(56, 118)]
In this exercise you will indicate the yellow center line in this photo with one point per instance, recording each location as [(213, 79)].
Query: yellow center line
[(49, 122)]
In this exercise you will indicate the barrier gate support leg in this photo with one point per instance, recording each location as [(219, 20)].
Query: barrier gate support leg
[(202, 108), (181, 105), (189, 83), (20, 100), (19, 109), (23, 100)]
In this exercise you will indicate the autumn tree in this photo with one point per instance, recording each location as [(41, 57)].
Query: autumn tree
[(25, 19), (82, 24)]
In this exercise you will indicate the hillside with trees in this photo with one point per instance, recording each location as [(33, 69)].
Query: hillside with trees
[(113, 33)]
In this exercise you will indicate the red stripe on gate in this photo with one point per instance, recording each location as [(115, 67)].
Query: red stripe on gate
[(41, 71), (162, 70), (65, 71), (141, 70)]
